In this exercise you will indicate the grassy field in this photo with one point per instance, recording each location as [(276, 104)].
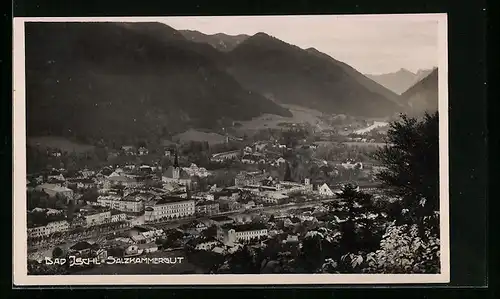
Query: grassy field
[(351, 143), (195, 135), (300, 115), (61, 143)]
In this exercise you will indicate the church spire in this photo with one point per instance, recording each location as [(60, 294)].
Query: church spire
[(176, 160)]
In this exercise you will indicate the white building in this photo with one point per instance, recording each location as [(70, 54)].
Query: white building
[(292, 187), (54, 190), (221, 157), (280, 161), (169, 208), (194, 170), (127, 204), (324, 190), (97, 218), (245, 233), (50, 228), (273, 197), (118, 217), (206, 244)]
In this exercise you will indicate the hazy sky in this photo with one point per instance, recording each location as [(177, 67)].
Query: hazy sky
[(372, 43)]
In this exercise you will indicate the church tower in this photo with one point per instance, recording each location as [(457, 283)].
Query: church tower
[(177, 169)]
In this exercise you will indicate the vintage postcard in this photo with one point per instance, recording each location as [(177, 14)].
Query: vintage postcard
[(247, 150)]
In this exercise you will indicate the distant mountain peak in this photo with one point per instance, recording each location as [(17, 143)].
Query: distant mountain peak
[(262, 34), (220, 41), (403, 70)]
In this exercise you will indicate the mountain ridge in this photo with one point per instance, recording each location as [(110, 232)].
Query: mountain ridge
[(128, 79), (399, 81), (289, 74), (424, 95)]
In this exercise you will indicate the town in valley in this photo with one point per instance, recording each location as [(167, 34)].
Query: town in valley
[(155, 150), (158, 202)]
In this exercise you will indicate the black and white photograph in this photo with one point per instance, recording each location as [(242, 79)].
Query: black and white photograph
[(231, 150)]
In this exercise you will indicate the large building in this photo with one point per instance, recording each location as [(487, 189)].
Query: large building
[(221, 157), (98, 217), (243, 233), (208, 208), (249, 178), (272, 197), (169, 208), (292, 187), (130, 203), (325, 190), (120, 179), (175, 174), (54, 190), (194, 170), (47, 230)]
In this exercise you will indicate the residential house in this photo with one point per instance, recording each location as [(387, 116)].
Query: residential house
[(53, 191), (229, 205), (208, 208), (142, 151), (224, 156), (194, 170), (293, 187), (220, 220), (82, 248), (280, 161), (242, 218), (352, 165), (249, 178), (49, 229), (132, 203), (87, 173), (324, 190), (118, 216), (96, 217), (148, 247), (273, 197), (205, 244), (81, 183), (129, 150), (243, 233), (175, 174), (114, 180), (247, 149)]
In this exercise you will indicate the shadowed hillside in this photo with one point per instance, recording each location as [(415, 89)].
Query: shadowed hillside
[(290, 75), (111, 80), (424, 95)]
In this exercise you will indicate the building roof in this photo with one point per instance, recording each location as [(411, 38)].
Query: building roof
[(221, 218), (169, 173), (225, 153), (55, 188), (116, 212), (171, 199), (207, 203), (121, 178), (82, 245), (247, 227)]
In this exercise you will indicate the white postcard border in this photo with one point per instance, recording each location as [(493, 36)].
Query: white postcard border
[(21, 278)]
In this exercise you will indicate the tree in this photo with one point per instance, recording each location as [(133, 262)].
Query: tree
[(357, 230), (411, 158), (57, 252), (70, 210), (288, 173)]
